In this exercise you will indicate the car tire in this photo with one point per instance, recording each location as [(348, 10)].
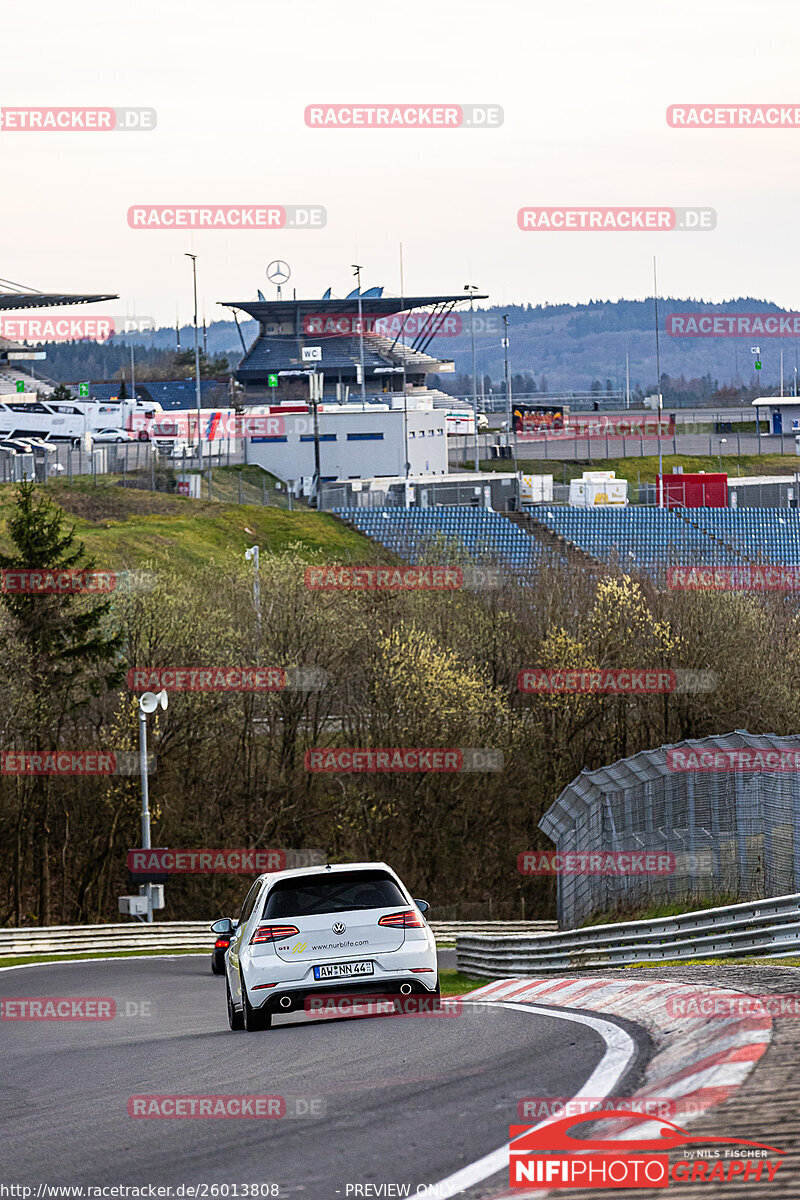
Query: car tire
[(119, 441), (235, 1019), (215, 970), (254, 1019)]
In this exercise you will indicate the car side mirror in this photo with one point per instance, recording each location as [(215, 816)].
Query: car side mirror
[(422, 905), (223, 926)]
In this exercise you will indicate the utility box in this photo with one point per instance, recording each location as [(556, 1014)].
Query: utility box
[(598, 488), (133, 906), (156, 894), (190, 485), (536, 489)]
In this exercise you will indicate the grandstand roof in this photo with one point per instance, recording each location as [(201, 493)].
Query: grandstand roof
[(14, 300), (287, 310)]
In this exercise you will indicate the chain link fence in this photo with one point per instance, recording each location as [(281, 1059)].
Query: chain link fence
[(731, 827)]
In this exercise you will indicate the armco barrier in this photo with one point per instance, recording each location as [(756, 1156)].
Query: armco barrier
[(765, 927), (188, 935)]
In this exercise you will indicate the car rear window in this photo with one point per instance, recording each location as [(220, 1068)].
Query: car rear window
[(339, 892)]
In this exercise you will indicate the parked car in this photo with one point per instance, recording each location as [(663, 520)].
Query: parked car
[(112, 435), (343, 929)]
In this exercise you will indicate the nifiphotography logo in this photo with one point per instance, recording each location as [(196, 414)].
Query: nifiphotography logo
[(552, 1155)]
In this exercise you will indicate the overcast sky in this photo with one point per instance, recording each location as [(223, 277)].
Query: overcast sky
[(584, 87)]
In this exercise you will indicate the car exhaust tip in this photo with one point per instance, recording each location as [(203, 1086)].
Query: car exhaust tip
[(285, 1002), (405, 989)]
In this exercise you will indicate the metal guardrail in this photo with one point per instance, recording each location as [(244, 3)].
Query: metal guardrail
[(61, 940), (768, 927)]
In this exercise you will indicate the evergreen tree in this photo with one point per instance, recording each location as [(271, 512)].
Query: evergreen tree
[(68, 651)]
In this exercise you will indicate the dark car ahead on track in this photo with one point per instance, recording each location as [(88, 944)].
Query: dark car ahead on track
[(219, 951)]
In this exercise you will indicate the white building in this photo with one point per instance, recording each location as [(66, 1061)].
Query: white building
[(355, 442)]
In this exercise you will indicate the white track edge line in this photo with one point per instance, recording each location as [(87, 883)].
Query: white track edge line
[(619, 1052), (75, 962)]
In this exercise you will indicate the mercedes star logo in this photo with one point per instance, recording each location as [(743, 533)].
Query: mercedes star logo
[(278, 271), (339, 927)]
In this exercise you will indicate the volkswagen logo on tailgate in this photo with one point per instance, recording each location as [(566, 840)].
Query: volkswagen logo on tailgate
[(339, 927)]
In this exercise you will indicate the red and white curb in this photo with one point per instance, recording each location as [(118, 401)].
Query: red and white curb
[(699, 1062)]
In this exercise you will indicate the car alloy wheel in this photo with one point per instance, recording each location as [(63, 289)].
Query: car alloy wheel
[(235, 1019)]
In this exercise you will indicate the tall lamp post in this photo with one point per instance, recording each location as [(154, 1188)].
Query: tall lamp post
[(252, 555), (509, 421), (357, 273), (658, 385), (148, 703), (472, 288), (193, 257)]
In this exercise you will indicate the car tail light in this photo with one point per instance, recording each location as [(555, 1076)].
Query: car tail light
[(272, 933), (222, 943), (403, 920)]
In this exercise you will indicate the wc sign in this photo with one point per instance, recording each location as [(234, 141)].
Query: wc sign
[(312, 354)]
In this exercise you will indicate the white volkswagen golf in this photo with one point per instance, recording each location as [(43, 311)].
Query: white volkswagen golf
[(321, 931)]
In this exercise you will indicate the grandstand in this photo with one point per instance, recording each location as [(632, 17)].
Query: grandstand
[(455, 533), (649, 539), (171, 394), (287, 328), (638, 539)]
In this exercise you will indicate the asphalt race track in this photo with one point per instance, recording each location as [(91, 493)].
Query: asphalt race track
[(405, 1100)]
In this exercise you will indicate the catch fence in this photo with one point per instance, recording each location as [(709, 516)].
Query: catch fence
[(731, 827)]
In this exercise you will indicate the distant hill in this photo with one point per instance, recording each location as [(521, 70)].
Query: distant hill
[(562, 346)]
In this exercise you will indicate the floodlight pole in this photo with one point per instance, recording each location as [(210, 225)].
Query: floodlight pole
[(360, 334), (193, 257), (471, 288), (509, 421), (145, 801), (658, 385)]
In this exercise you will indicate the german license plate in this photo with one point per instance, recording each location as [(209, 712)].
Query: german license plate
[(343, 970)]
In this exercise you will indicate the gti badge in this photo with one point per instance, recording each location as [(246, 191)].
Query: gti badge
[(339, 927)]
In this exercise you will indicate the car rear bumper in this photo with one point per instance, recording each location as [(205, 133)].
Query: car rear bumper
[(292, 998)]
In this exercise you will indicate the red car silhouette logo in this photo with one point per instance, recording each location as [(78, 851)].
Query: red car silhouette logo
[(555, 1136)]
